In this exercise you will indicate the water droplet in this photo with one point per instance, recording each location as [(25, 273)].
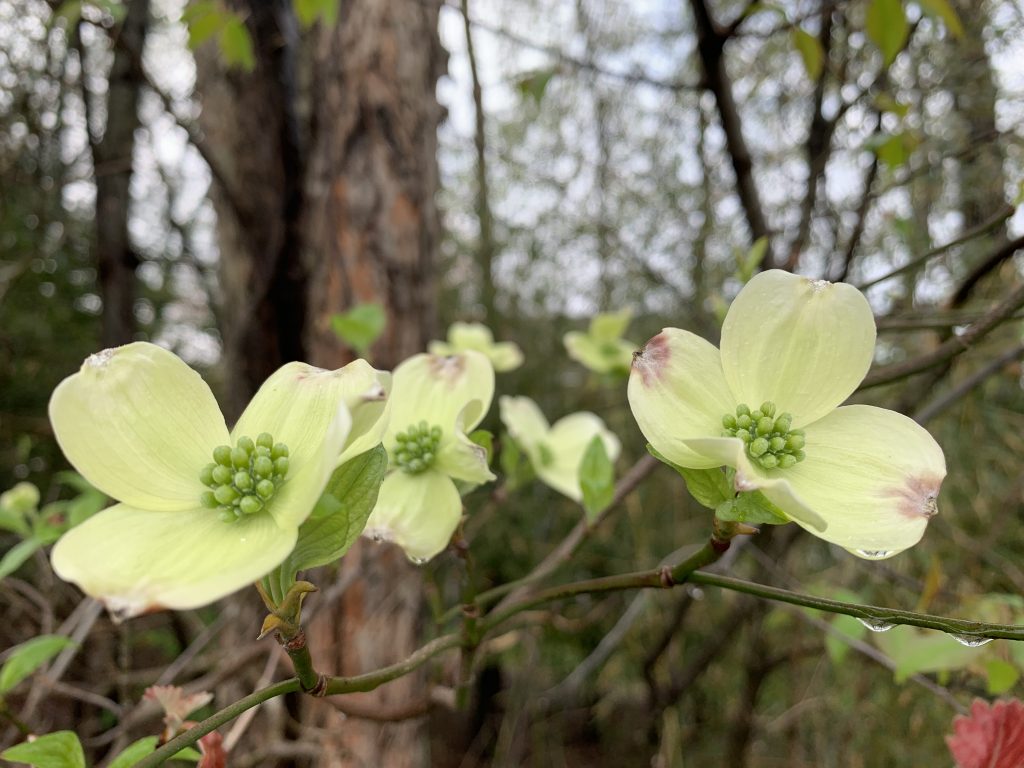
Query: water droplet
[(419, 560), (971, 641), (695, 593), (876, 625), (875, 554)]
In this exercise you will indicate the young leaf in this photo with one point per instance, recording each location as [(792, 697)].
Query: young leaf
[(597, 478), (309, 11), (337, 520), (941, 9), (205, 20), (709, 487), (751, 507), (887, 27), (54, 750), (534, 84), (810, 50), (360, 326), (236, 44), (28, 657), (134, 752), (1001, 676), (749, 262), (16, 556)]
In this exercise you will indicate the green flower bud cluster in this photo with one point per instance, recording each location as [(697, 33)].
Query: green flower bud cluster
[(417, 447), (769, 440), (244, 478)]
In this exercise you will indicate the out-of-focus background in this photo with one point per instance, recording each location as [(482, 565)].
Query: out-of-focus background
[(229, 178)]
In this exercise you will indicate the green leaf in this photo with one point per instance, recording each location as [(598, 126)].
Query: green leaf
[(54, 750), (751, 507), (534, 84), (84, 506), (597, 478), (204, 20), (28, 657), (360, 326), (810, 50), (709, 487), (16, 556), (941, 9), (892, 150), (886, 102), (887, 27), (749, 262), (1001, 676), (609, 326), (485, 440), (915, 651), (134, 752), (309, 11), (337, 520), (236, 44), (13, 521)]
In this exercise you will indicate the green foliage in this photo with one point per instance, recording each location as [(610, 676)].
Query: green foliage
[(54, 750), (360, 326), (210, 18), (311, 11), (30, 656), (1000, 676), (597, 478), (810, 50), (916, 651), (485, 440), (942, 10), (893, 150), (534, 84), (337, 520), (750, 507), (135, 752), (710, 487), (887, 27)]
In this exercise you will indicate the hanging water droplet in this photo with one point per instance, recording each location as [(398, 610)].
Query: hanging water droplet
[(876, 625), (971, 641), (875, 554), (419, 560)]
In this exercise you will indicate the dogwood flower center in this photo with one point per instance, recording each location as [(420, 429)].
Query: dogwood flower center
[(243, 479), (769, 439), (417, 447)]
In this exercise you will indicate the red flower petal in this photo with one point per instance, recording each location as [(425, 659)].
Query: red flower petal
[(212, 747), (990, 737)]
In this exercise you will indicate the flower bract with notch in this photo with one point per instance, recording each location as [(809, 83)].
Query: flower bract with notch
[(602, 348), (201, 511), (463, 337), (556, 450), (768, 405), (435, 401)]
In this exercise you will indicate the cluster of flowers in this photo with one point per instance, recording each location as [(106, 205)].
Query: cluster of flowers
[(142, 427)]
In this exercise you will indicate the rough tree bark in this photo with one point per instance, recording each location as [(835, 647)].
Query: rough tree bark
[(373, 230), (112, 161)]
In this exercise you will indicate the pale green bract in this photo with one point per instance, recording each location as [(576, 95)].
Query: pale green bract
[(870, 476), (435, 401), (555, 451), (463, 337), (140, 425), (602, 348)]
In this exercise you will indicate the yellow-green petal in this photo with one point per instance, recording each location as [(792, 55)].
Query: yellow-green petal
[(609, 326), (567, 442), (298, 405), (138, 424), (462, 459), (367, 399), (524, 421), (677, 392), (452, 392), (136, 560), (802, 344), (418, 512), (872, 474)]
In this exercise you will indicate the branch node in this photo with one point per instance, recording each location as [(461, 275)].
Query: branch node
[(665, 576)]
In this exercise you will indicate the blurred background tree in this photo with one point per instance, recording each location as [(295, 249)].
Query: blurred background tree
[(226, 178)]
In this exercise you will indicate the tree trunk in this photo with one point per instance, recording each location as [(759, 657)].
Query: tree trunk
[(373, 230), (112, 161)]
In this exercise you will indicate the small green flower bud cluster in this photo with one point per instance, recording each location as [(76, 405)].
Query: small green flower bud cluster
[(770, 441), (417, 447), (244, 478)]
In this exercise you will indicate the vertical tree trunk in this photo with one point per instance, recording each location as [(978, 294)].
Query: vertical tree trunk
[(112, 160), (373, 230)]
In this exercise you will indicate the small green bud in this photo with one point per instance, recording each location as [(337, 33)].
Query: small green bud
[(416, 465), (729, 421), (756, 416), (265, 440), (222, 455), (225, 494), (794, 441), (206, 476), (742, 410), (744, 421), (265, 488), (401, 437), (239, 458), (243, 481), (799, 455), (768, 408), (250, 505), (777, 444), (743, 435), (208, 500), (221, 475), (786, 461), (280, 450), (764, 426), (758, 447), (281, 466), (435, 433), (768, 461), (783, 423), (263, 467), (246, 444), (227, 515), (427, 458)]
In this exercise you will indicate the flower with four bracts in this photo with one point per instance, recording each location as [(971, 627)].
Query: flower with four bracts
[(462, 337), (555, 451), (435, 401), (602, 348), (767, 406), (201, 511)]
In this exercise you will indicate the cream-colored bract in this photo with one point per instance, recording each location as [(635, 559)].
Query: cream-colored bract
[(463, 337), (555, 451), (871, 476), (420, 511), (602, 348), (139, 424)]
